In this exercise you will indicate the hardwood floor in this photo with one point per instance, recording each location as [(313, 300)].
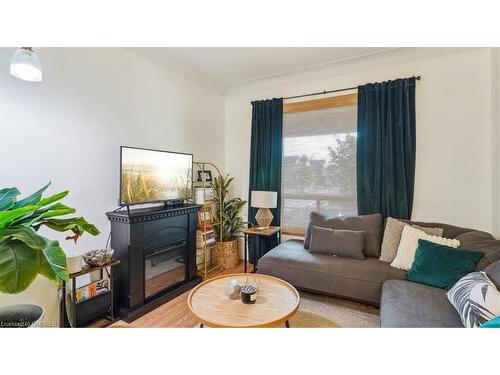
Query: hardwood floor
[(173, 314)]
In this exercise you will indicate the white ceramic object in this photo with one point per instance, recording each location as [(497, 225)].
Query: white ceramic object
[(74, 263), (233, 289)]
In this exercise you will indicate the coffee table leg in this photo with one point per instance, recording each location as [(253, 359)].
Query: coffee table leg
[(287, 324)]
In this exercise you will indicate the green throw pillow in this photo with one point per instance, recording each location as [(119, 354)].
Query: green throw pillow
[(492, 323), (441, 266)]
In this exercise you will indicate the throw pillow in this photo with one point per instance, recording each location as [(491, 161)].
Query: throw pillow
[(370, 224), (409, 243), (484, 242), (440, 265), (343, 243), (492, 323), (392, 237), (475, 298)]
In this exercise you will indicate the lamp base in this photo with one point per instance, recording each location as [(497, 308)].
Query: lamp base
[(264, 218)]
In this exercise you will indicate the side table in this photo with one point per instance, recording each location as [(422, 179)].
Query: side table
[(103, 301), (255, 231)]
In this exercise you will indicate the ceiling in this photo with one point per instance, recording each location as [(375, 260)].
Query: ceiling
[(222, 69)]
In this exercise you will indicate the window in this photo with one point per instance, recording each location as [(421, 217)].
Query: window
[(319, 161)]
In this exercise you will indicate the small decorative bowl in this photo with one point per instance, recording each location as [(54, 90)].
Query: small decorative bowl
[(98, 258)]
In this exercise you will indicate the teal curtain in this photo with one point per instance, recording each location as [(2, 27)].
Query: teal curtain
[(266, 151), (385, 160)]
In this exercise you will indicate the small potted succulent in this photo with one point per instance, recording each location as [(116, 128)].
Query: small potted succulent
[(227, 224), (25, 254)]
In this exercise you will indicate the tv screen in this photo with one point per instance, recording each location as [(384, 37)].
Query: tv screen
[(149, 176)]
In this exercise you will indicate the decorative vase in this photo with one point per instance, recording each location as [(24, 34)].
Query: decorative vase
[(21, 316), (74, 263), (225, 254)]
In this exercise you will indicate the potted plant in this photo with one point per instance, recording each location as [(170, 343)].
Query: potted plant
[(24, 254), (227, 224)]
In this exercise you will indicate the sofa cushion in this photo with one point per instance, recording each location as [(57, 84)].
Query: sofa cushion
[(492, 323), (392, 236), (370, 224), (409, 244), (344, 277), (449, 231), (484, 242), (407, 304), (476, 299), (493, 272), (441, 266), (344, 243)]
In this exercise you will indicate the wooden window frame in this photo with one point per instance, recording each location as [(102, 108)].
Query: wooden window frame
[(318, 104)]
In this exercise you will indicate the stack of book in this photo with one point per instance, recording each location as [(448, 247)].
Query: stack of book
[(91, 290), (204, 238)]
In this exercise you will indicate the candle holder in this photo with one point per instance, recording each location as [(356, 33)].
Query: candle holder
[(248, 294)]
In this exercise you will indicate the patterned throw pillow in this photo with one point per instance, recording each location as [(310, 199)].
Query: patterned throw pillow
[(409, 244), (475, 298), (392, 237)]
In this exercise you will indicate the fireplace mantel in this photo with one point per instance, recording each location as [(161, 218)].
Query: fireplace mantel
[(157, 250)]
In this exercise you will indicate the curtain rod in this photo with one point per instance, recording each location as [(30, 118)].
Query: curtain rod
[(331, 91)]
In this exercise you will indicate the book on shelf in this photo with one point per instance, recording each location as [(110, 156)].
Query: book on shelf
[(201, 245), (204, 230), (91, 290), (209, 242)]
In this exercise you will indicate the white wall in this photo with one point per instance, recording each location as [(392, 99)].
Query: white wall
[(455, 125), (68, 129)]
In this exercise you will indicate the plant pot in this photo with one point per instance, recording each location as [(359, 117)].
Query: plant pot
[(21, 316), (225, 254)]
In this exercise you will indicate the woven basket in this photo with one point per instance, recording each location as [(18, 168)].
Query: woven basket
[(225, 254)]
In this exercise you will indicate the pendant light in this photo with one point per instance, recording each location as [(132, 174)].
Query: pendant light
[(25, 65)]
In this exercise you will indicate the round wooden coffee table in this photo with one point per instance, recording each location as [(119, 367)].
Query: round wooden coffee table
[(277, 301)]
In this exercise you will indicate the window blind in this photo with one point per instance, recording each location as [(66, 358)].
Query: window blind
[(319, 165)]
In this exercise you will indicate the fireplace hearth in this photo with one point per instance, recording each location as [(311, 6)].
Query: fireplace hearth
[(157, 250)]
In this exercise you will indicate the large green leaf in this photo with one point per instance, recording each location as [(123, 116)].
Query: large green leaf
[(52, 199), (57, 209), (53, 262), (8, 198), (7, 217), (25, 235), (77, 225), (24, 253), (18, 266), (33, 199)]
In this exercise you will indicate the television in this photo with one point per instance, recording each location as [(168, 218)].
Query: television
[(152, 176)]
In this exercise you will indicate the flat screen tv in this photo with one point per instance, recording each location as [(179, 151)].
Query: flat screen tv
[(151, 176)]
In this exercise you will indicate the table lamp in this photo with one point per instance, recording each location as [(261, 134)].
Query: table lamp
[(264, 200)]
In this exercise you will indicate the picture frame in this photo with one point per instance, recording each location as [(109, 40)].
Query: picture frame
[(205, 217), (205, 174)]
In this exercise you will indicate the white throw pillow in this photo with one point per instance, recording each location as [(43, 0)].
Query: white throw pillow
[(475, 298), (409, 244)]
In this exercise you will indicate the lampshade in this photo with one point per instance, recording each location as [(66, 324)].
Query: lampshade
[(25, 65), (264, 199)]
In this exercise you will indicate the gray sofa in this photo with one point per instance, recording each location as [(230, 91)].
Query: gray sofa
[(402, 303)]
